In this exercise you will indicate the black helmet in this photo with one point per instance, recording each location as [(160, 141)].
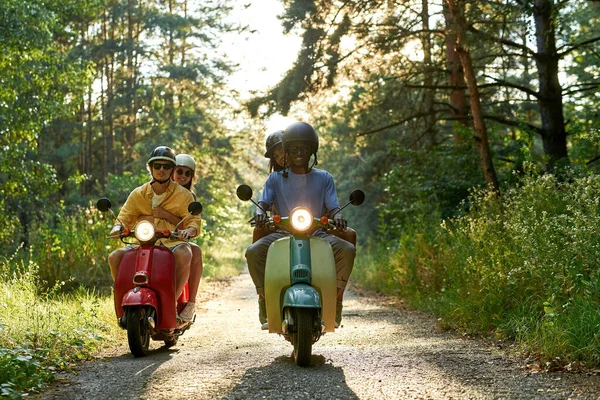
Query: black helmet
[(273, 140), (162, 153), (301, 131)]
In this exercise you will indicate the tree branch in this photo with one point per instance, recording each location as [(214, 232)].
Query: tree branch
[(509, 122), (577, 46), (514, 86), (507, 42), (383, 128)]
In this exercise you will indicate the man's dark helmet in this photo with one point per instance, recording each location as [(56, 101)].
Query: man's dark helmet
[(273, 140), (301, 131), (162, 153)]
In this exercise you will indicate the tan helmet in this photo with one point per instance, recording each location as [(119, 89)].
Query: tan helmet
[(185, 160)]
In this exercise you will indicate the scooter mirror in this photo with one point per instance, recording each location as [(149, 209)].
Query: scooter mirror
[(103, 204), (244, 192), (357, 197), (195, 208)]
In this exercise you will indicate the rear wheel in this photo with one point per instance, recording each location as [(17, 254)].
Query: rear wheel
[(138, 331), (303, 337)]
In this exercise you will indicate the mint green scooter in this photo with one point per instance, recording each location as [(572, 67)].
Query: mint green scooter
[(300, 278)]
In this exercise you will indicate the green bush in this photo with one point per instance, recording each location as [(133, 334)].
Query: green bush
[(524, 265), (71, 248), (46, 331)]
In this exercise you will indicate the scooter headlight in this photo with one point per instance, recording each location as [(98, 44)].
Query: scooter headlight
[(301, 219), (144, 231)]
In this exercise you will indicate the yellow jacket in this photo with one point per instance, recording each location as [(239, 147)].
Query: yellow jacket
[(176, 201)]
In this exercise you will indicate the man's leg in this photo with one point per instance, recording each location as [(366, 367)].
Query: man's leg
[(114, 259), (344, 253), (349, 235), (256, 255), (183, 258)]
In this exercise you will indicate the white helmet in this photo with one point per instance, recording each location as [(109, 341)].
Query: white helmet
[(186, 160)]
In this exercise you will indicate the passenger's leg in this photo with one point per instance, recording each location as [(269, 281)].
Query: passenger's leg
[(183, 258), (196, 268)]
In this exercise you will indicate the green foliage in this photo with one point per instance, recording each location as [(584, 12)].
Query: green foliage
[(524, 265), (70, 247), (423, 186), (21, 371), (118, 187), (43, 332)]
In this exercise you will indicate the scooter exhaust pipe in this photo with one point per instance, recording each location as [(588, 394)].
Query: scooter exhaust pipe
[(151, 322)]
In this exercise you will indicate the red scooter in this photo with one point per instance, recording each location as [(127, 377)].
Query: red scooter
[(144, 291)]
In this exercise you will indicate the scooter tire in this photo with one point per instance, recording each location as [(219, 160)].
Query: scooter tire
[(138, 331), (303, 337)]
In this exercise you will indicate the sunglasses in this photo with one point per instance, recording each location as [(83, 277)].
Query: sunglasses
[(158, 166), (299, 150), (187, 173)]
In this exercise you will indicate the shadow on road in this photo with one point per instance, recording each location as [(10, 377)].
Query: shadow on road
[(284, 379)]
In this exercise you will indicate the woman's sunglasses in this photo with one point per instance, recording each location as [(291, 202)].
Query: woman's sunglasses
[(182, 172), (158, 166)]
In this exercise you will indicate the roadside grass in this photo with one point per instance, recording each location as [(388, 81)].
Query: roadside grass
[(42, 333), (524, 268), (224, 258)]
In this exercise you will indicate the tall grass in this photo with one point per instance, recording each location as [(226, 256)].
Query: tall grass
[(43, 332), (524, 266)]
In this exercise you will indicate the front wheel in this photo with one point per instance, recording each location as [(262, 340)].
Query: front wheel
[(138, 331), (303, 337)]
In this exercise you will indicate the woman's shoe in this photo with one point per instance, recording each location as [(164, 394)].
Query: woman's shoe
[(188, 312)]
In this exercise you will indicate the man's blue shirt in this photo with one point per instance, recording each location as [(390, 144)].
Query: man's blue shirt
[(314, 190)]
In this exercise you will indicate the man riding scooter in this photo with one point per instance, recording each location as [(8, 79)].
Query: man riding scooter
[(300, 185), (164, 192)]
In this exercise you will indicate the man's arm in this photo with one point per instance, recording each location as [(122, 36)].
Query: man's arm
[(161, 213)]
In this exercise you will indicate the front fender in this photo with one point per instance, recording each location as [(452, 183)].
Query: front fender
[(143, 297), (302, 295)]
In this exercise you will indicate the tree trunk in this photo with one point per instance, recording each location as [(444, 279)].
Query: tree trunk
[(428, 96), (129, 134), (456, 9), (554, 134), (456, 79)]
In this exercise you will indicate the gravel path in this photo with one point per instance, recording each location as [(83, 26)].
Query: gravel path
[(381, 352)]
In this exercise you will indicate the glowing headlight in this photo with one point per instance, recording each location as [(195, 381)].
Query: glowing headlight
[(301, 219), (144, 231)]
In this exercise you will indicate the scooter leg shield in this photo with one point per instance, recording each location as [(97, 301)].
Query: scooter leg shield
[(324, 279), (277, 280)]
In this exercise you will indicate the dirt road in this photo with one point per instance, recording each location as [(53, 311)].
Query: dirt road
[(381, 352)]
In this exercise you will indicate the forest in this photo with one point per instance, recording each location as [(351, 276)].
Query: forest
[(472, 126)]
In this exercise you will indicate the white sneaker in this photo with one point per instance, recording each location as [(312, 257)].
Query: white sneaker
[(188, 312)]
